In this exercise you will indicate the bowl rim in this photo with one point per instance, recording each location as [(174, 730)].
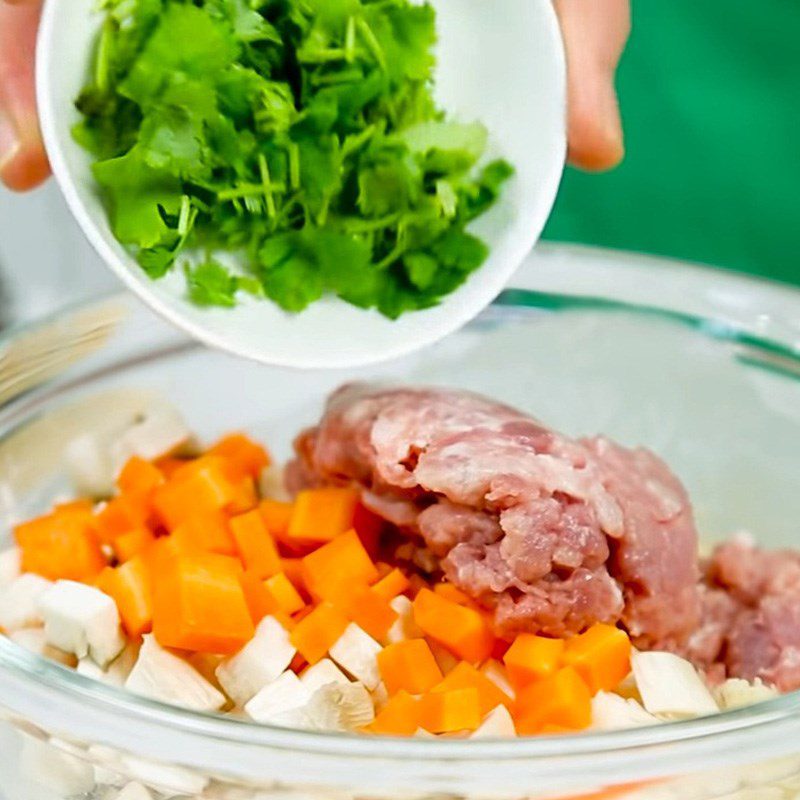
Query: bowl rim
[(430, 328), (765, 725)]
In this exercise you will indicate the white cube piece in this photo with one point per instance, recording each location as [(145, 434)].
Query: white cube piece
[(380, 696), (340, 707), (55, 770), (19, 602), (34, 641), (356, 652), (497, 724), (496, 673), (163, 676), (168, 779), (279, 702), (10, 566), (321, 674), (258, 663), (670, 686), (160, 432), (88, 464), (737, 693), (405, 626), (612, 712), (272, 483), (81, 619), (133, 791)]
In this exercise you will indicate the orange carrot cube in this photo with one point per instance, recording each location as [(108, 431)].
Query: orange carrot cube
[(464, 631), (256, 546), (276, 516), (465, 676), (454, 710), (206, 531), (317, 632), (453, 594), (409, 666), (130, 587), (601, 656), (247, 458), (391, 584), (320, 515), (562, 699), (334, 569), (61, 545), (283, 594), (364, 606), (128, 545), (138, 478), (199, 604), (121, 514), (399, 717), (531, 658), (259, 602)]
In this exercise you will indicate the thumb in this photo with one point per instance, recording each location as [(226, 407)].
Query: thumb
[(23, 163), (595, 32)]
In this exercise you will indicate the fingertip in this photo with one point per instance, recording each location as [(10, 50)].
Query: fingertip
[(25, 165), (596, 144)]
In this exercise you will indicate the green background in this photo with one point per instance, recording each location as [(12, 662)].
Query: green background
[(710, 97)]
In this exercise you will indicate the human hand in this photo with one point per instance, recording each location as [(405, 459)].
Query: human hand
[(595, 32), (23, 163)]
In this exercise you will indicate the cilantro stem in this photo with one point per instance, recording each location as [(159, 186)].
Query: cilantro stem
[(357, 225), (294, 165), (248, 190), (391, 257), (263, 168), (350, 40), (101, 73), (372, 43), (183, 218)]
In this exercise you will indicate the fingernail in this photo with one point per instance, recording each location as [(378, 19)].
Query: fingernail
[(9, 142)]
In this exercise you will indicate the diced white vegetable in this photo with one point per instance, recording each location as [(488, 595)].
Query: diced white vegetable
[(34, 641), (271, 483), (162, 431), (88, 668), (88, 464), (281, 702), (163, 676), (670, 686), (496, 724), (356, 652), (258, 663), (53, 769), (612, 712), (340, 707), (10, 566), (19, 602), (404, 627), (81, 619), (627, 688), (444, 658), (133, 791), (321, 674), (380, 696), (421, 733), (165, 778), (496, 673), (737, 693)]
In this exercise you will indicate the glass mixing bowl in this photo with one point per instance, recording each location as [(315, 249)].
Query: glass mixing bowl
[(703, 368)]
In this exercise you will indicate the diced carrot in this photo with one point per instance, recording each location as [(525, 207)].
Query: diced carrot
[(464, 631), (80, 505), (245, 496), (199, 604), (465, 676), (601, 656), (128, 545), (129, 585), (298, 664), (383, 568), (293, 569), (391, 584), (121, 514), (333, 570), (364, 606), (551, 729), (139, 478), (283, 594), (399, 717), (259, 602), (320, 515), (198, 486), (409, 666), (169, 465), (453, 594), (206, 531), (61, 545), (247, 457), (276, 515), (531, 658), (454, 710), (562, 699), (255, 545), (316, 633), (163, 550)]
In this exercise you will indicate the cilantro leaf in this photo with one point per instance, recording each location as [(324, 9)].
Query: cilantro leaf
[(210, 284)]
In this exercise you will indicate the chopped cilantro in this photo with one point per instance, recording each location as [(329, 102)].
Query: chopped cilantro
[(301, 134)]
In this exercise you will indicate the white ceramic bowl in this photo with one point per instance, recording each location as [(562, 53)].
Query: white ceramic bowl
[(500, 62)]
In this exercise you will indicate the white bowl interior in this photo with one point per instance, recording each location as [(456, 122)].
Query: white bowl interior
[(500, 63)]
